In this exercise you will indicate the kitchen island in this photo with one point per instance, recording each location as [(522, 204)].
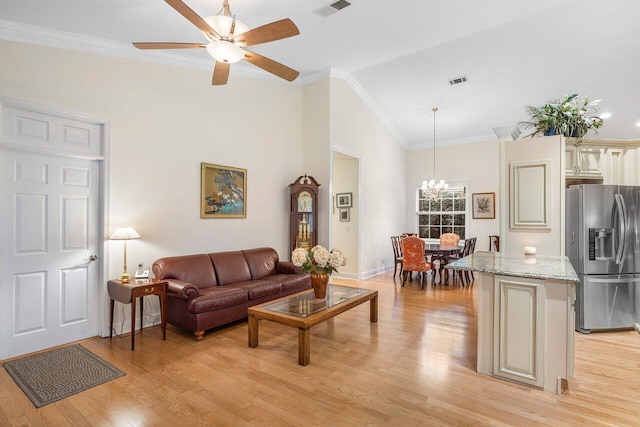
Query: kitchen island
[(526, 317)]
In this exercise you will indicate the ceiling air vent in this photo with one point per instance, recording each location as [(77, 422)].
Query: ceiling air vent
[(332, 8), (458, 80)]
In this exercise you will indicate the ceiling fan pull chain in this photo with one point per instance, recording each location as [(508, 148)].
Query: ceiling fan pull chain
[(233, 27)]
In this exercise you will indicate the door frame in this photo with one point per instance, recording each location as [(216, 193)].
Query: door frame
[(358, 195), (104, 187)]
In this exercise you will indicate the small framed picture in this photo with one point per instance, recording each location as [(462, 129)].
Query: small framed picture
[(483, 205), (344, 214), (343, 200)]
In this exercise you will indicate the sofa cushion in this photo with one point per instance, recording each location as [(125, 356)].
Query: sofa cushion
[(262, 262), (231, 267), (194, 269), (291, 281), (216, 298), (258, 288)]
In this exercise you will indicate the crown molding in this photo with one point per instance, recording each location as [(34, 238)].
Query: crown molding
[(364, 96), (32, 34)]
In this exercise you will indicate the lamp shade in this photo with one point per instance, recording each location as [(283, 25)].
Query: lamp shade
[(222, 25), (124, 232), (225, 51)]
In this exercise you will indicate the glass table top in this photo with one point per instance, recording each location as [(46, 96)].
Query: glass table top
[(304, 305)]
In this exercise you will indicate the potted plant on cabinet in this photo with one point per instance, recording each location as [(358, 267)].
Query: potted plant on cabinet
[(572, 116)]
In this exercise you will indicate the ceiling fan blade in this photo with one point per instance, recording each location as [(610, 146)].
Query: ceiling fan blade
[(145, 45), (195, 19), (271, 66), (220, 73), (268, 33)]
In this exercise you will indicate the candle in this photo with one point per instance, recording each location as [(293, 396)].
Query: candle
[(529, 250)]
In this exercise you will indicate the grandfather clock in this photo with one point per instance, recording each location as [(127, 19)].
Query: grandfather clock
[(304, 213)]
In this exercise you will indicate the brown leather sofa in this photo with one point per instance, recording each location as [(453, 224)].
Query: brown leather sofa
[(210, 290)]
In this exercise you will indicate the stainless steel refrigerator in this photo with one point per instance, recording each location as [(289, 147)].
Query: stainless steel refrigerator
[(602, 242)]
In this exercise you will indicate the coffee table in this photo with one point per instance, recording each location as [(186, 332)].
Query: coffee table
[(303, 311)]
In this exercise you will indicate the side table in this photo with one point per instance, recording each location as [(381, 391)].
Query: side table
[(126, 293)]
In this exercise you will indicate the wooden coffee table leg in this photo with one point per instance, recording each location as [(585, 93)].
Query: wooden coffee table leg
[(304, 346), (373, 310), (253, 331)]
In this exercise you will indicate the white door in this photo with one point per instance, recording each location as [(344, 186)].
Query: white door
[(50, 242)]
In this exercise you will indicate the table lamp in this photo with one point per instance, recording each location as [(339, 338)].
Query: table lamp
[(124, 232)]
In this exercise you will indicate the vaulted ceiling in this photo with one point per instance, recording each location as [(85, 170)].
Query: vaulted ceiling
[(401, 53)]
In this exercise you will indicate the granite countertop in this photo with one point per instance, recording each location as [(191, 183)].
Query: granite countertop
[(533, 266)]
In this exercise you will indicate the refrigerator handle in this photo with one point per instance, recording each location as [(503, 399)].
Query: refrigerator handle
[(625, 231), (620, 229)]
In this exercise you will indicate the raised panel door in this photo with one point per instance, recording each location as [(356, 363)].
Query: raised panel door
[(48, 285), (519, 324)]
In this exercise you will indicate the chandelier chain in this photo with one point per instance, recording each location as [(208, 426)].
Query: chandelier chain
[(434, 189)]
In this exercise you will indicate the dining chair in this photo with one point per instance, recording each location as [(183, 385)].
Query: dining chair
[(414, 260), (494, 243), (446, 239), (469, 248), (468, 274), (396, 242)]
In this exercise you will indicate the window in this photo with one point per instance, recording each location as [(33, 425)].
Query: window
[(446, 214)]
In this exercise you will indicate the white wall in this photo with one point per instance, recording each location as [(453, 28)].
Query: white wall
[(165, 121), (356, 130), (478, 164), (317, 151), (345, 233)]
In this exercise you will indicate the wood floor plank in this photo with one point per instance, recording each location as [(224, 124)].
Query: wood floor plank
[(416, 366)]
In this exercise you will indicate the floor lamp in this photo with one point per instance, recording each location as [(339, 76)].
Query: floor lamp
[(124, 232)]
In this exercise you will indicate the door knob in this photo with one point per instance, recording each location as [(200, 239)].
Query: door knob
[(91, 258)]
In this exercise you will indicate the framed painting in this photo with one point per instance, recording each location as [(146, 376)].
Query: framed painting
[(483, 205), (223, 192), (344, 214), (343, 200)]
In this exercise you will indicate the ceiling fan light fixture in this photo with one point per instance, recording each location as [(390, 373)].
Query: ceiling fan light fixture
[(225, 51), (222, 25)]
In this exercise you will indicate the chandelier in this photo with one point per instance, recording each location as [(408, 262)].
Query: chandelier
[(433, 189)]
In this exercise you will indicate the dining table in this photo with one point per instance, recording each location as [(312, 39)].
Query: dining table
[(441, 251)]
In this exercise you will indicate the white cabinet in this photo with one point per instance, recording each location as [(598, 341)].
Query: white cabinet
[(526, 330), (614, 171), (583, 162), (519, 325)]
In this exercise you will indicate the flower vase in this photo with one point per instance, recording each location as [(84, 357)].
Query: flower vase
[(319, 282)]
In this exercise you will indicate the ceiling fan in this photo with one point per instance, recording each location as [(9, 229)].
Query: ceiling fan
[(227, 38)]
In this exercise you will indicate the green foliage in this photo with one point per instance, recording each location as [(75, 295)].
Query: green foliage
[(571, 117)]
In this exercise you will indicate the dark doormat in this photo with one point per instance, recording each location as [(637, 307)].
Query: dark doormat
[(56, 374)]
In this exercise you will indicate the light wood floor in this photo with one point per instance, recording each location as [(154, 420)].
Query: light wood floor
[(415, 367)]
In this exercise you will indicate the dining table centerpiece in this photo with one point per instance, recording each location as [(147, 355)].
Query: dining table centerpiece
[(320, 263)]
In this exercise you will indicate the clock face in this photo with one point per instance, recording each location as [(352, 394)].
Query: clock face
[(305, 202)]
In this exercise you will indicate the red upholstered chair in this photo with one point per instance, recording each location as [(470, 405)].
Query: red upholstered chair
[(413, 258), (449, 239), (446, 239)]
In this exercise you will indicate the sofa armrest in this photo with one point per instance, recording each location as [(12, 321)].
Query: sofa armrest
[(286, 267), (182, 290)]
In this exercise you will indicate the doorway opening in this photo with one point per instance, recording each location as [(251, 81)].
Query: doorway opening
[(345, 218)]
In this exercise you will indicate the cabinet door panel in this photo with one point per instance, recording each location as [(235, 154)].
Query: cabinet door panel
[(519, 330)]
